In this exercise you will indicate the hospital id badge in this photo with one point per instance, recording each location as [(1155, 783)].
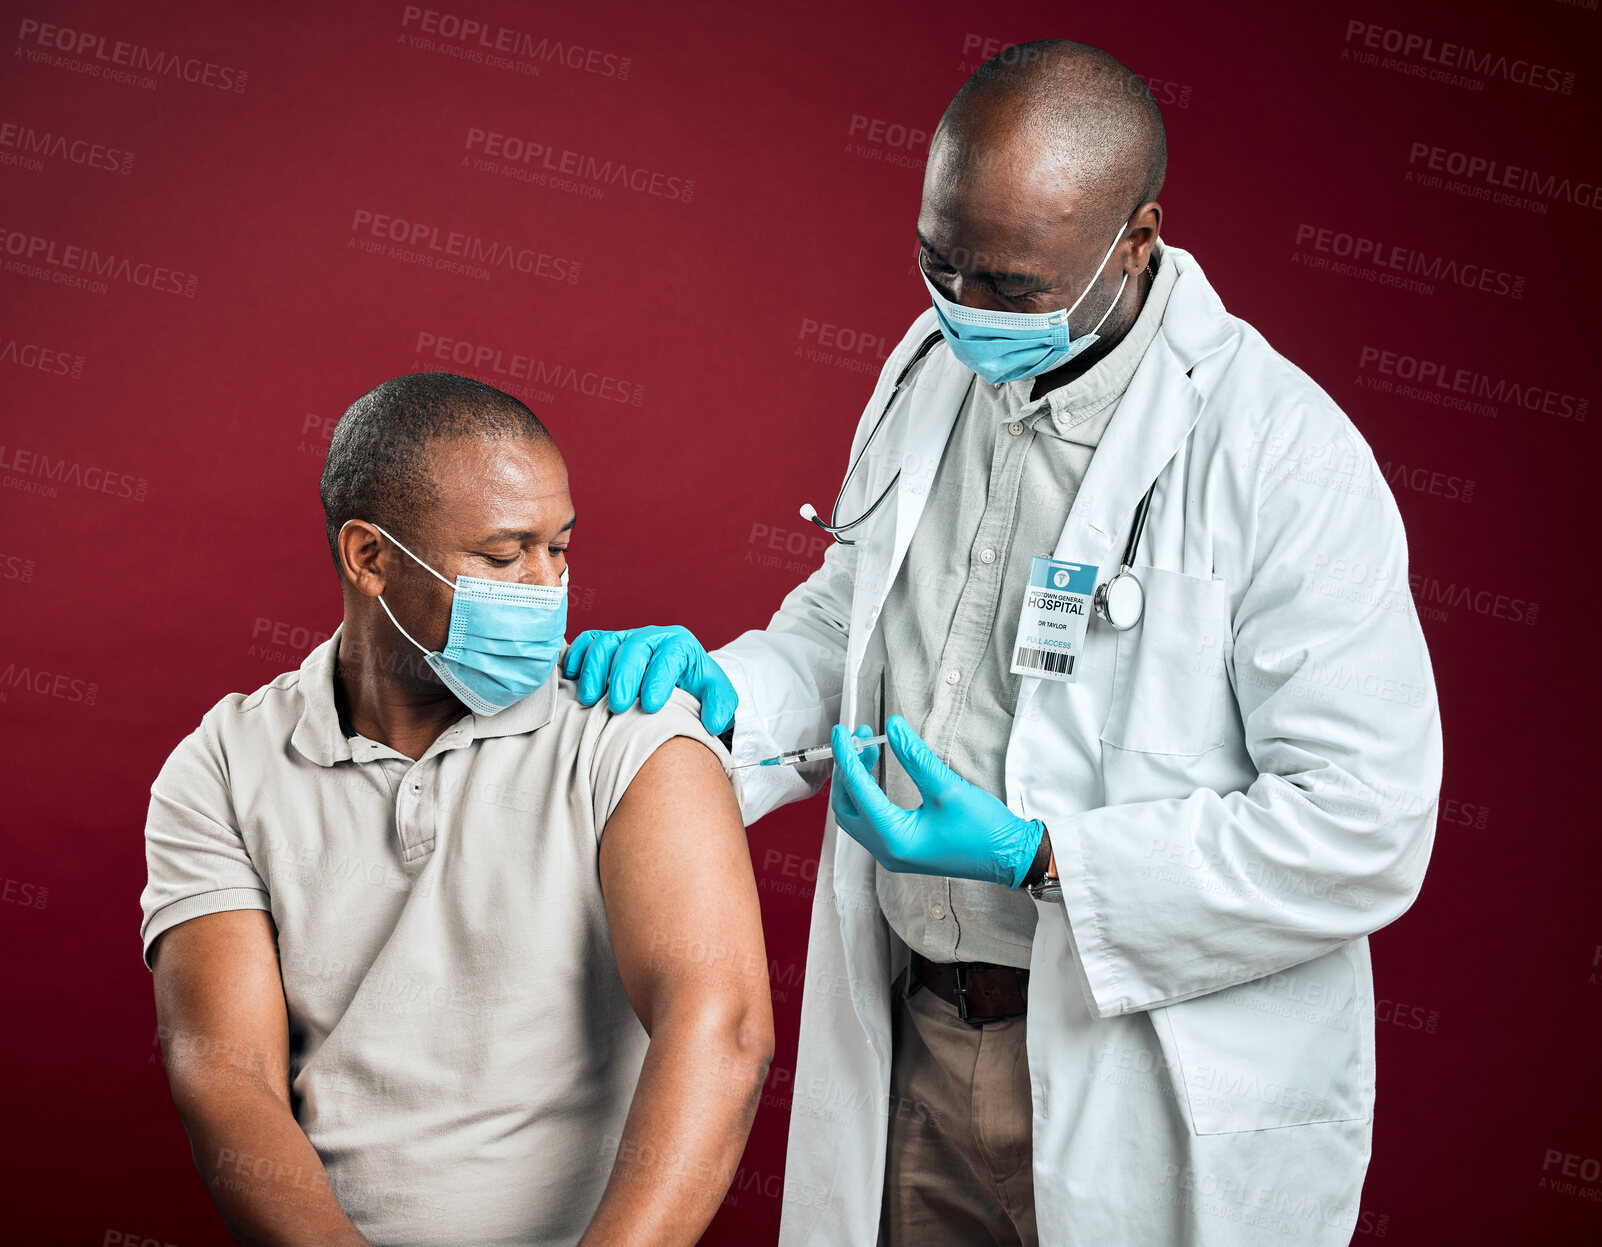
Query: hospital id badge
[(1051, 626)]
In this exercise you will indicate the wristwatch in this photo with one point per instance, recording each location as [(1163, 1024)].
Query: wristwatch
[(1042, 882)]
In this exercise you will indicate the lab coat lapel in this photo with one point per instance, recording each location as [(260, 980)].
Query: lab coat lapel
[(1154, 417), (924, 427)]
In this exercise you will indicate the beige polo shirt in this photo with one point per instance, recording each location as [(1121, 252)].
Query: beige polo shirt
[(462, 1054)]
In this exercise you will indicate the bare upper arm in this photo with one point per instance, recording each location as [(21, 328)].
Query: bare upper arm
[(681, 899), (220, 1002)]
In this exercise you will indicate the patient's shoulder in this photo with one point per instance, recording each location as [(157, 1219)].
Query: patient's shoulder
[(613, 747)]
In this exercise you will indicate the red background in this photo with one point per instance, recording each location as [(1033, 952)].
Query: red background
[(181, 554)]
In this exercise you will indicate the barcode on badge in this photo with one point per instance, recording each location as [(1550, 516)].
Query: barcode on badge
[(1044, 660)]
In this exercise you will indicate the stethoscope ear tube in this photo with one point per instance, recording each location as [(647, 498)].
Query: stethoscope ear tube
[(834, 528)]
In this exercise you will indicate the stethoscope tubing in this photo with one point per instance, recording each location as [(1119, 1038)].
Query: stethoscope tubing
[(835, 529)]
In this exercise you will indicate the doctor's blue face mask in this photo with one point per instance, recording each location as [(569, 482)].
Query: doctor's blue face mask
[(504, 638), (1009, 346)]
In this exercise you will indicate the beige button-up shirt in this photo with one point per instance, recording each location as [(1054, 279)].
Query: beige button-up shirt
[(1001, 495), (462, 1054)]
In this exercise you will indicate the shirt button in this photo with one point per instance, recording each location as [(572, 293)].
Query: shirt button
[(952, 675), (1015, 428), (987, 556), (938, 911)]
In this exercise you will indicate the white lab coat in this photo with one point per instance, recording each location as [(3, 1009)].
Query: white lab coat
[(1239, 790)]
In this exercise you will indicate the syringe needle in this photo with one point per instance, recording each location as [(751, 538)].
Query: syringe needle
[(816, 753)]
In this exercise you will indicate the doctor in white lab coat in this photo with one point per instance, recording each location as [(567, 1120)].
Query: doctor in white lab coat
[(1235, 792)]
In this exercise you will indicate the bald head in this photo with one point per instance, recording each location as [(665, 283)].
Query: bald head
[(1039, 193), (1069, 112)]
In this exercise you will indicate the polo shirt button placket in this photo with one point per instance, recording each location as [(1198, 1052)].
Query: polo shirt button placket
[(406, 811)]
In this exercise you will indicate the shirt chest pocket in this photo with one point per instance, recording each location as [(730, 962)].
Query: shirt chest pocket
[(1171, 692)]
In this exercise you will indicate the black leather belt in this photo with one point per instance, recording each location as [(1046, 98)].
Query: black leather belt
[(981, 992)]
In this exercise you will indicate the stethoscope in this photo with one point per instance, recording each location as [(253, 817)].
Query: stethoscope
[(833, 528), (1120, 602)]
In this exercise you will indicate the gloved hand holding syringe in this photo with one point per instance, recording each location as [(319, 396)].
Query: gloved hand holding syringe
[(795, 757)]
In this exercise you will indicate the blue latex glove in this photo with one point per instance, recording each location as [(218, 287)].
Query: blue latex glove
[(645, 664), (959, 831)]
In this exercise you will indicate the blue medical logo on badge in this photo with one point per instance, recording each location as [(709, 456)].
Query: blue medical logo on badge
[(1051, 623), (1047, 573)]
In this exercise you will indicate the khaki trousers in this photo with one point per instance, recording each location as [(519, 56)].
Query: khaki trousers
[(958, 1172)]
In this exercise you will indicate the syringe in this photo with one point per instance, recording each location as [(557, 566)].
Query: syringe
[(795, 757)]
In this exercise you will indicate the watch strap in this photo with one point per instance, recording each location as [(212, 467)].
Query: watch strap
[(1037, 869)]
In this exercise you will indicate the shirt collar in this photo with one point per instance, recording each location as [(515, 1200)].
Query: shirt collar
[(319, 736), (1082, 408)]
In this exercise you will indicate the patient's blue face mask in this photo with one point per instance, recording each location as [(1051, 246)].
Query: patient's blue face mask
[(1009, 346), (504, 638)]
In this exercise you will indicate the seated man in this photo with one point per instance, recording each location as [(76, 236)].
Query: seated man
[(440, 955)]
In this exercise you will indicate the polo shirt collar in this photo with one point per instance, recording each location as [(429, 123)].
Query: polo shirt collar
[(319, 737)]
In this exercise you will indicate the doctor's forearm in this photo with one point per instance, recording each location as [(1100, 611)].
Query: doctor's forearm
[(685, 1132)]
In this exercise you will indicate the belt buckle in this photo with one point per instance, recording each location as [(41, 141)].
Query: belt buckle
[(962, 997)]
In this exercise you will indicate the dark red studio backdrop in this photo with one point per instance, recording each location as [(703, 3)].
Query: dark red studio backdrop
[(709, 212)]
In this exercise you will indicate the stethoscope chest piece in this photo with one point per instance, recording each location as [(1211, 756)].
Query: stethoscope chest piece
[(1121, 601)]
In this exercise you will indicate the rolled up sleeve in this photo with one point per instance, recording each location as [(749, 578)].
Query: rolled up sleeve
[(627, 740)]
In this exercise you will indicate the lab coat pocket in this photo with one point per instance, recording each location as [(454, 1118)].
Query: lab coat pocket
[(1288, 1049), (1171, 691)]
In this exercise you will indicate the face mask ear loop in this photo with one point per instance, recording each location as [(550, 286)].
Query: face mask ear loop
[(385, 604), (1110, 307), (1118, 239), (396, 622), (448, 584)]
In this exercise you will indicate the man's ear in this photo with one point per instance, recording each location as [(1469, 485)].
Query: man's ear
[(360, 550), (1144, 229)]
